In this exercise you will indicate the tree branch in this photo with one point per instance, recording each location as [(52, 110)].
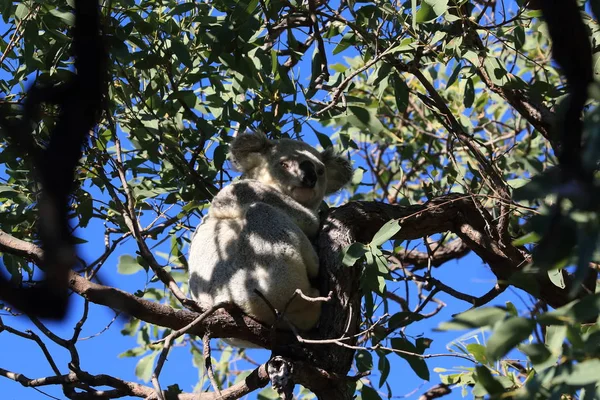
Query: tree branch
[(356, 221), (257, 379), (442, 253)]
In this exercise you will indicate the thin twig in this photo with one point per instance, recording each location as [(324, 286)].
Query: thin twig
[(174, 335), (208, 363)]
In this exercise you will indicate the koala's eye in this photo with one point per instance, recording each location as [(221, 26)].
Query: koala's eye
[(320, 171), (285, 164)]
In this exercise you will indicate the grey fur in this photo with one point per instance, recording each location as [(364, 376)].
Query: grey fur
[(259, 229)]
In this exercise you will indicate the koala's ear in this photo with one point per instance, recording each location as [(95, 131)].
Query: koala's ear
[(338, 170), (247, 151)]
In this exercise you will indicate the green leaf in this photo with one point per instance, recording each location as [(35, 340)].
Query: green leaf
[(431, 9), (512, 310), (128, 265), (67, 17), (386, 232), (519, 34), (131, 327), (400, 93), (403, 318), (384, 368), (380, 261), (357, 176), (454, 76), (347, 40), (469, 93), (316, 71), (557, 278), (368, 393), (323, 139), (475, 318), (135, 352), (364, 361), (487, 380), (540, 186), (182, 8), (555, 247), (181, 52), (580, 374), (267, 394), (517, 183), (538, 353), (405, 46), (585, 309), (353, 253), (7, 191), (587, 240), (21, 11), (533, 14), (149, 61), (422, 344), (6, 10), (220, 155), (426, 13), (478, 352), (366, 118), (531, 237), (507, 335), (555, 337), (496, 71), (416, 363), (145, 367)]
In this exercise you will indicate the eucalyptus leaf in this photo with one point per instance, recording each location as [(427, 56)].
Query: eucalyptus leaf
[(128, 265), (145, 367), (488, 381), (475, 318), (386, 232), (508, 334), (417, 363), (353, 253)]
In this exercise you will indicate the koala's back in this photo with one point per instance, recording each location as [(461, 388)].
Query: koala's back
[(262, 249)]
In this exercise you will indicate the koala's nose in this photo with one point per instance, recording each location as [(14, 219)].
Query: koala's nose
[(308, 174)]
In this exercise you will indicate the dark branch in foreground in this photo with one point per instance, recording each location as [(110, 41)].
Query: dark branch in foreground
[(80, 101)]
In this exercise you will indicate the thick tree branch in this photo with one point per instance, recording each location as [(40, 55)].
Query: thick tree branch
[(441, 253), (359, 221), (221, 324), (458, 214), (356, 221), (79, 99)]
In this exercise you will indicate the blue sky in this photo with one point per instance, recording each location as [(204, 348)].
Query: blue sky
[(99, 353)]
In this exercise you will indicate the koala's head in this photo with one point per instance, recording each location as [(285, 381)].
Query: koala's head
[(293, 167)]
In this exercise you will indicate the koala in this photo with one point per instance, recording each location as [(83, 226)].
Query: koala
[(258, 231)]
